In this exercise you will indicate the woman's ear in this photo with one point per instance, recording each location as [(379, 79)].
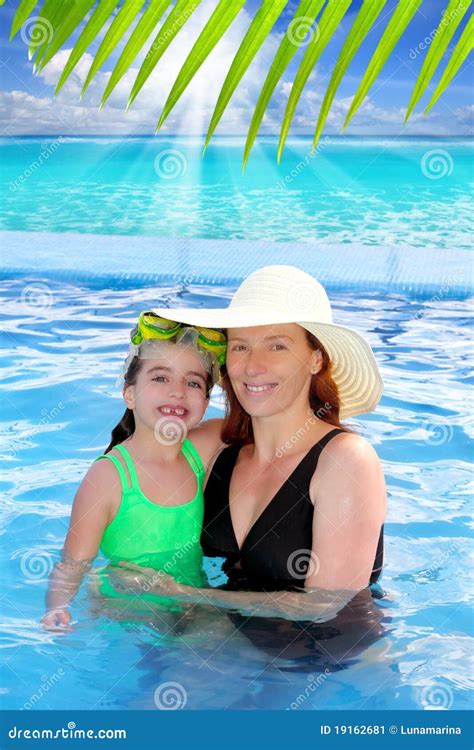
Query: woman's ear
[(316, 361), (129, 396)]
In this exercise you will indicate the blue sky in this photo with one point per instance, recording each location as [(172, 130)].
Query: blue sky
[(27, 105)]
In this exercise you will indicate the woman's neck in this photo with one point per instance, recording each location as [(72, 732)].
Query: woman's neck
[(286, 434)]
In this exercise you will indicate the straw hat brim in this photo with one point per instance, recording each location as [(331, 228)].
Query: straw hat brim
[(354, 368)]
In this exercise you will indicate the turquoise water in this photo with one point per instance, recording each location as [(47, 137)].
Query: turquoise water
[(376, 191), (409, 647)]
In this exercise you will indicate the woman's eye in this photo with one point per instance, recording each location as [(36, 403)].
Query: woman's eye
[(278, 347), (238, 348)]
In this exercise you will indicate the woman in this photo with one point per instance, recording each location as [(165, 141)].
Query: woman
[(296, 501)]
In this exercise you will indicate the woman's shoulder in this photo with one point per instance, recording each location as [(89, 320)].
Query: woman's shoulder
[(207, 439)]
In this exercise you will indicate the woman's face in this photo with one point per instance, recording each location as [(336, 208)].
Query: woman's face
[(270, 367), (169, 388)]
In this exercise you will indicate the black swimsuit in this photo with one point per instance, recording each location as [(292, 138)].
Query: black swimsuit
[(276, 551)]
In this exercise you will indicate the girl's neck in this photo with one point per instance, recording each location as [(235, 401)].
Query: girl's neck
[(146, 446)]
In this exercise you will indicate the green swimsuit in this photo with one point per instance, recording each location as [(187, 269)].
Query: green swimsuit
[(165, 538)]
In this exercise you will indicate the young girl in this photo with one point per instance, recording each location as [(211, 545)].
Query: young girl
[(142, 501)]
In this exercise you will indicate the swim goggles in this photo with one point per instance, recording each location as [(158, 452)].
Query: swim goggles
[(151, 326)]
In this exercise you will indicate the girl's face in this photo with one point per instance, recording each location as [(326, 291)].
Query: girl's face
[(270, 367), (168, 389)]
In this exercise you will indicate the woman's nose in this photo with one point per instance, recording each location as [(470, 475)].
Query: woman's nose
[(254, 364)]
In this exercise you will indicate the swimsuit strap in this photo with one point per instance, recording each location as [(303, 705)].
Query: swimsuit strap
[(123, 477), (194, 459), (129, 464)]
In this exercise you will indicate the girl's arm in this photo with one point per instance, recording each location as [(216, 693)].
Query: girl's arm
[(349, 496), (95, 504)]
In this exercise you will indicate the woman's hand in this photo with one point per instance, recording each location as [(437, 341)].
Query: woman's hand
[(145, 580), (56, 619)]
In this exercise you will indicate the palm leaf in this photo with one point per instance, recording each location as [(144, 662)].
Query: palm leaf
[(25, 8), (399, 21), (65, 29), (364, 21), (461, 51), (101, 14), (257, 33), (219, 22), (451, 19), (50, 16), (327, 25), (178, 16), (140, 34), (304, 16), (124, 18)]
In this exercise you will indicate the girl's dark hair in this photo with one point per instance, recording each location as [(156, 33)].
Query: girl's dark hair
[(126, 426), (323, 401)]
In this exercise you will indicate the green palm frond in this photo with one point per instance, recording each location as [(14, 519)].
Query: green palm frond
[(399, 21), (364, 21), (330, 20), (130, 24), (218, 23), (180, 13), (452, 17), (303, 19), (94, 25), (24, 10), (124, 18), (257, 32), (140, 34), (461, 51)]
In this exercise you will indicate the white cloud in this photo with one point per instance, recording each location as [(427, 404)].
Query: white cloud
[(23, 113)]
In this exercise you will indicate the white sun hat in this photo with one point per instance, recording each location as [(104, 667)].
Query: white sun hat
[(286, 294)]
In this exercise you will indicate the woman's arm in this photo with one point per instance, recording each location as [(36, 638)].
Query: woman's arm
[(94, 504), (208, 442), (350, 501)]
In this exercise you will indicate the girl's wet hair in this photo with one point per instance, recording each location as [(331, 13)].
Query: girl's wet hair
[(126, 427)]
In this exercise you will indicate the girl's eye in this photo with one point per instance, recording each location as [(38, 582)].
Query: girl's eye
[(159, 378), (195, 384)]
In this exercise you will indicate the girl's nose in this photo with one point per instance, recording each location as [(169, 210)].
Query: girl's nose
[(177, 390)]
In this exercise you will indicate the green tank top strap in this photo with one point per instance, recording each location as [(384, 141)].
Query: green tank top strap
[(193, 458), (121, 472), (129, 464)]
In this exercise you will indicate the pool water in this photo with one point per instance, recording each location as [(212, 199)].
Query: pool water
[(408, 646), (382, 191)]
